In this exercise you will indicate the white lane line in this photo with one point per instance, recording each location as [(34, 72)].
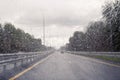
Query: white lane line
[(98, 61)]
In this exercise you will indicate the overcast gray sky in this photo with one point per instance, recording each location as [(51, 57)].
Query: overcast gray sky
[(62, 17)]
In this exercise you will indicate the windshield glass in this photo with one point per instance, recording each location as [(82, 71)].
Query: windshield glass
[(59, 39)]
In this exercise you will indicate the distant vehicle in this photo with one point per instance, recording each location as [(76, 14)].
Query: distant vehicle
[(62, 51)]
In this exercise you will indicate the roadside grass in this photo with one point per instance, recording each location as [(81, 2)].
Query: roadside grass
[(107, 58), (101, 57)]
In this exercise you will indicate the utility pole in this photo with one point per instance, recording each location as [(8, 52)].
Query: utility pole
[(43, 29)]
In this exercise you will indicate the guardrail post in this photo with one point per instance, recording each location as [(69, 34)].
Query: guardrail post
[(15, 65), (31, 59), (22, 62), (27, 58), (4, 67)]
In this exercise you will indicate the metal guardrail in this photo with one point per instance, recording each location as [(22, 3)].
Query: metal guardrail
[(22, 58)]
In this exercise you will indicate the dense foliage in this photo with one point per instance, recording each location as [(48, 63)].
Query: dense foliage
[(103, 35), (15, 40)]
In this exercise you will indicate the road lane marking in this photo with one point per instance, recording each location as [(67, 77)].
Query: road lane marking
[(109, 64), (105, 63), (29, 68), (102, 62), (98, 61)]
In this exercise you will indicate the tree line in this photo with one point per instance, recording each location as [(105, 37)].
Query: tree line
[(14, 40), (102, 35)]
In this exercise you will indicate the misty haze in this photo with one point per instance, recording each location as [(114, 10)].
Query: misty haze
[(59, 39)]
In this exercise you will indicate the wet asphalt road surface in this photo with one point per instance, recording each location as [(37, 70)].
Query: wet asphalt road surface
[(71, 67)]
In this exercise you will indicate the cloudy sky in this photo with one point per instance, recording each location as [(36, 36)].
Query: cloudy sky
[(62, 17)]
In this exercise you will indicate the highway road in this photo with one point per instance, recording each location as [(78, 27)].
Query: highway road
[(70, 67)]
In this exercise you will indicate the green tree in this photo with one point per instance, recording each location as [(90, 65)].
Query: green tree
[(111, 12)]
